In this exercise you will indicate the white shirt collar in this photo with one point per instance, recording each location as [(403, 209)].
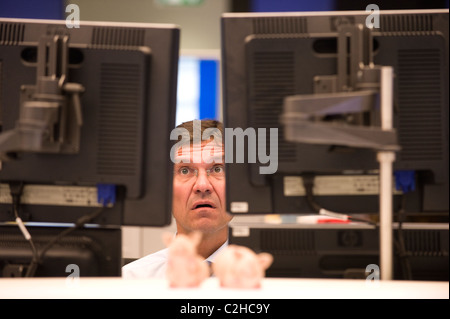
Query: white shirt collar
[(214, 254)]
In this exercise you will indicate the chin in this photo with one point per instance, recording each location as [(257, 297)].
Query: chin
[(206, 227)]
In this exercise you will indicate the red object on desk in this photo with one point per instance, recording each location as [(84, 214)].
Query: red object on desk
[(333, 221)]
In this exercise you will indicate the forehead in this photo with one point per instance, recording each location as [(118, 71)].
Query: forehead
[(205, 152)]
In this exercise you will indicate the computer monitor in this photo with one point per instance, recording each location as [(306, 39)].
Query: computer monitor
[(81, 108), (268, 58), (346, 251), (92, 251)]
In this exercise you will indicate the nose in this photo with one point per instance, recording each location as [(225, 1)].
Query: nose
[(202, 183)]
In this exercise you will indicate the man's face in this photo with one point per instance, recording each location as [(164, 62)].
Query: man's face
[(199, 190)]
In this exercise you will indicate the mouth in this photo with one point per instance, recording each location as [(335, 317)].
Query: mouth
[(199, 205)]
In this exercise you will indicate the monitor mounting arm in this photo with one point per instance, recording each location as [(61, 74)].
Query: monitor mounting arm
[(50, 111), (354, 91), (350, 98)]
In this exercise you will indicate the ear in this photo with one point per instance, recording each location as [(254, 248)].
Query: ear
[(265, 260), (167, 238)]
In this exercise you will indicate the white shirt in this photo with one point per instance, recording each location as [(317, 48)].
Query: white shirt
[(155, 265)]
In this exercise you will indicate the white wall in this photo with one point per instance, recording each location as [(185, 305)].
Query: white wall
[(200, 24), (200, 36), (140, 241)]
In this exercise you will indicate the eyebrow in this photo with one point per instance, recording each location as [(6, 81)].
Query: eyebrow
[(215, 160)]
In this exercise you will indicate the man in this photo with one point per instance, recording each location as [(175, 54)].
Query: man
[(198, 196)]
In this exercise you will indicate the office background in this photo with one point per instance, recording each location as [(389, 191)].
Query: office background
[(199, 69)]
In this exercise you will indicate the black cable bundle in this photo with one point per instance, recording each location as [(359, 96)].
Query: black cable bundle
[(16, 190)]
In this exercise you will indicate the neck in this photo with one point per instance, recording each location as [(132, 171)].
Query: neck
[(209, 245), (211, 242)]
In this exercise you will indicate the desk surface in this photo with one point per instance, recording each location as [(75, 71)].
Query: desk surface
[(272, 288)]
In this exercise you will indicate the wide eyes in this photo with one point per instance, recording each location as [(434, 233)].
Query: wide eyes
[(217, 171), (184, 171)]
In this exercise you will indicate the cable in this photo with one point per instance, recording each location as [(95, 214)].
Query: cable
[(400, 243), (78, 224), (308, 184), (16, 191), (405, 180)]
